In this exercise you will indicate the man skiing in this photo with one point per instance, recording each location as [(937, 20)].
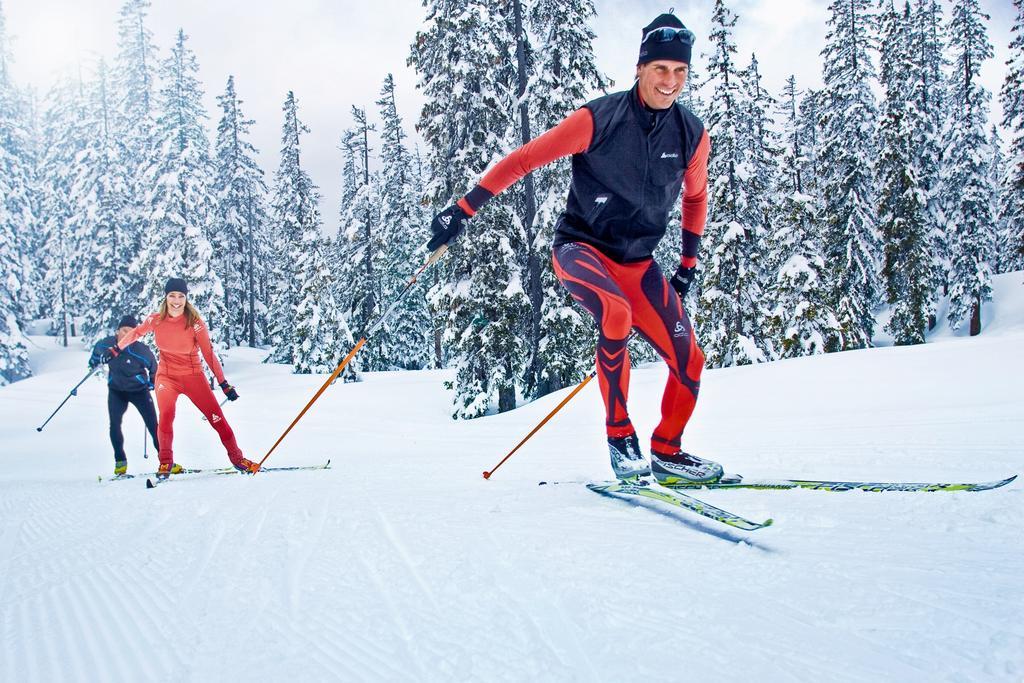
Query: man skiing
[(632, 152), (129, 380)]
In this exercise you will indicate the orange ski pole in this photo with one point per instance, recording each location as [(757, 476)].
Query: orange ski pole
[(579, 387), (572, 394), (438, 253)]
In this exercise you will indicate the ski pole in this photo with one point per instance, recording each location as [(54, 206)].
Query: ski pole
[(438, 253), (572, 394), (221, 405), (74, 392), (145, 440)]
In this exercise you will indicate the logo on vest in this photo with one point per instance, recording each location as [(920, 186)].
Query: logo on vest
[(601, 199), (666, 155)]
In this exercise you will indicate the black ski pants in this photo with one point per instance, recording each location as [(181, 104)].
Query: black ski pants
[(117, 404)]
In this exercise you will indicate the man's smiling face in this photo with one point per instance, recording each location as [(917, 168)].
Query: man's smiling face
[(661, 81)]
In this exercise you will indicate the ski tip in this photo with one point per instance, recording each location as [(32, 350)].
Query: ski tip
[(150, 484), (768, 522), (541, 483)]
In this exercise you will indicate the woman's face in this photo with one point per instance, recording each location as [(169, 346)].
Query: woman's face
[(175, 304)]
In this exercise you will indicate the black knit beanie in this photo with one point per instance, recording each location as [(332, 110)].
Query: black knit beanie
[(676, 49), (127, 321), (176, 284)]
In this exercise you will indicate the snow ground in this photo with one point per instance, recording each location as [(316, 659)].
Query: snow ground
[(402, 563)]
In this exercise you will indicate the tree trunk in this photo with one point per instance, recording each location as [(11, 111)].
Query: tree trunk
[(976, 317), (533, 261)]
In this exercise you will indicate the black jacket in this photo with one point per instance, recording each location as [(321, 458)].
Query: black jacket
[(132, 370), (624, 184)]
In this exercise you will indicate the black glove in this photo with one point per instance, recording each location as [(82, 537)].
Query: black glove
[(229, 391), (446, 226), (109, 354), (682, 280)]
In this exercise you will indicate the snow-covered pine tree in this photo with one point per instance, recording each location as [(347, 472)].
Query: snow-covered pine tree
[(932, 100), (728, 282), (64, 138), (464, 57), (242, 223), (108, 246), (321, 336), (800, 319), (966, 172), (15, 218), (434, 276), (810, 131), (562, 47), (180, 201), (846, 162), (907, 265), (134, 98), (405, 339), (1011, 97), (298, 229), (1002, 251), (762, 168), (360, 243)]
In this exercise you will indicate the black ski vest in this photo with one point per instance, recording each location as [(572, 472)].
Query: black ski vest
[(624, 185)]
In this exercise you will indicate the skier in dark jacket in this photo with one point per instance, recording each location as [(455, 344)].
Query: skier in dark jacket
[(632, 152), (129, 380)]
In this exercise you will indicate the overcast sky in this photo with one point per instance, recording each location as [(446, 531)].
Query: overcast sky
[(334, 54)]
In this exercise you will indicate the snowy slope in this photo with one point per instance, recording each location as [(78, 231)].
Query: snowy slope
[(403, 563)]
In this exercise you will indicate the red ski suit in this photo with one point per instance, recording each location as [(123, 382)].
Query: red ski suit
[(181, 372)]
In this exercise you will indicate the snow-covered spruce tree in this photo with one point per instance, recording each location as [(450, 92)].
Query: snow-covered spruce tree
[(966, 173), (907, 265), (729, 283), (303, 306), (15, 217), (241, 224), (134, 98), (432, 278), (846, 162), (1012, 99), (104, 233), (563, 73), (464, 57), (405, 339), (360, 244), (800, 319), (810, 132), (1002, 252), (928, 51), (64, 138), (762, 168), (321, 336), (180, 201)]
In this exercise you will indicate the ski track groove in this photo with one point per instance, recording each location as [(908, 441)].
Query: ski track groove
[(386, 597), (403, 554)]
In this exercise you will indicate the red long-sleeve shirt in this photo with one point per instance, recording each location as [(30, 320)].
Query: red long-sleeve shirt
[(179, 345)]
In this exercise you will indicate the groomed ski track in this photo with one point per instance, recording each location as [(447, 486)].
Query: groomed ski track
[(401, 563)]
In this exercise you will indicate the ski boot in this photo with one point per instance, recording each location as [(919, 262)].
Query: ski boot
[(120, 468), (628, 462), (683, 469), (166, 470), (245, 466)]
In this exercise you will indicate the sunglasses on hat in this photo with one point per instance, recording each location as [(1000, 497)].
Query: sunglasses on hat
[(667, 34)]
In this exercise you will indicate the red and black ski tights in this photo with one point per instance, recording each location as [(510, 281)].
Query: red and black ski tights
[(623, 296)]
